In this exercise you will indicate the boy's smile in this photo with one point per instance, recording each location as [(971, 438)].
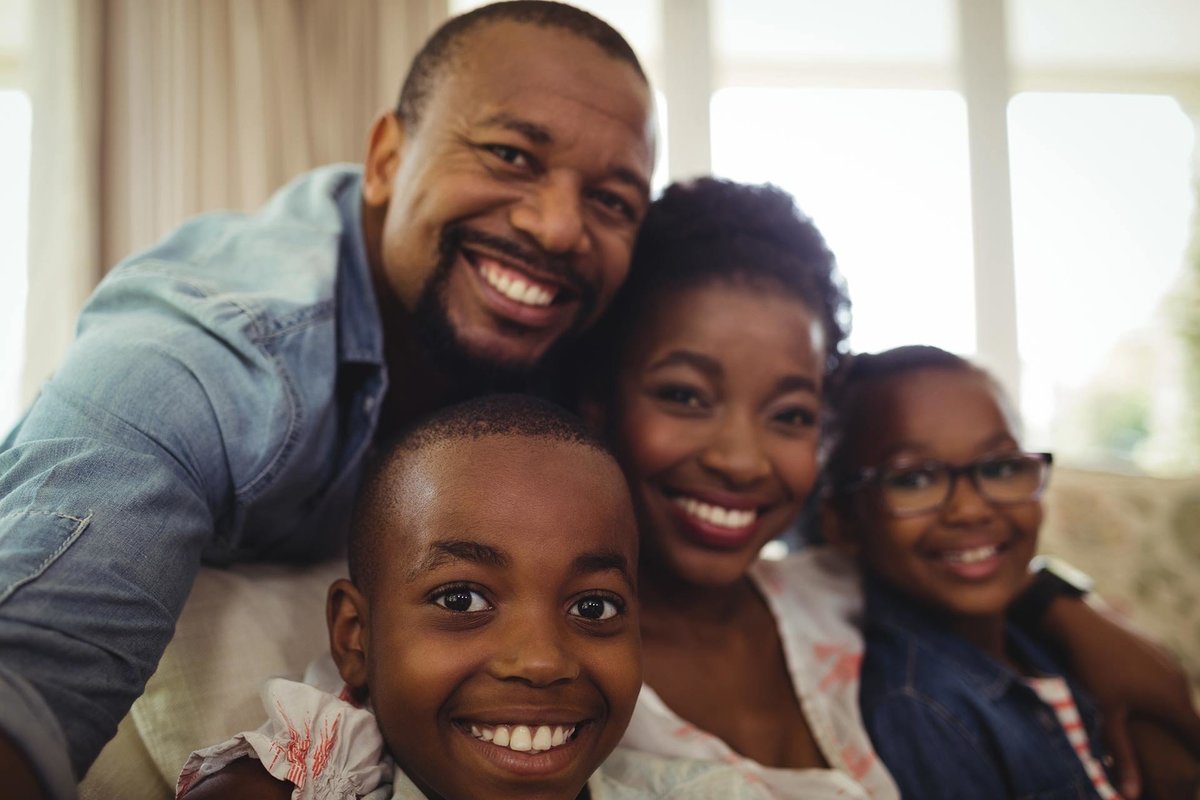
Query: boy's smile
[(501, 640)]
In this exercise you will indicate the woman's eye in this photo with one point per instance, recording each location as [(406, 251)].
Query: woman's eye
[(462, 600), (596, 608), (680, 395), (796, 417)]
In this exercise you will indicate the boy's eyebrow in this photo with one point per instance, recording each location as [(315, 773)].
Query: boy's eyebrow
[(447, 551), (608, 560)]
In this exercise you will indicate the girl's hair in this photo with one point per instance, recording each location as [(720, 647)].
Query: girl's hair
[(711, 229), (853, 381)]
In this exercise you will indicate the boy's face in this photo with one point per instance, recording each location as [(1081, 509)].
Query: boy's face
[(970, 557), (506, 609)]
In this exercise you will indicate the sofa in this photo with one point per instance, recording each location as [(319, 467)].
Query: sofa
[(1139, 538)]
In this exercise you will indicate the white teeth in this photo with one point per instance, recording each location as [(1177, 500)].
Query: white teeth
[(717, 515), (524, 738), (542, 739), (516, 288), (972, 556), (521, 741)]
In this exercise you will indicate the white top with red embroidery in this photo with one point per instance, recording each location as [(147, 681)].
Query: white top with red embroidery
[(1056, 694), (816, 597), (330, 749)]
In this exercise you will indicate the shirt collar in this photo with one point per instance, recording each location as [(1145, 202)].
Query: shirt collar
[(890, 608), (360, 330)]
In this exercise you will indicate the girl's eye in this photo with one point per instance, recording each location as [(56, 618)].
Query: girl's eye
[(596, 608), (462, 600)]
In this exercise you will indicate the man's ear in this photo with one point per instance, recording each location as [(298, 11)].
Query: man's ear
[(346, 615), (383, 158)]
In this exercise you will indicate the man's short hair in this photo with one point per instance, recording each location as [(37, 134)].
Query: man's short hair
[(441, 48), (505, 415)]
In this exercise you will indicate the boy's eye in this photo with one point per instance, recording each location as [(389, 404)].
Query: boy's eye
[(462, 600), (596, 608)]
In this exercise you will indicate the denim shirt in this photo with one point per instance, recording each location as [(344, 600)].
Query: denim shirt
[(952, 722), (217, 404)]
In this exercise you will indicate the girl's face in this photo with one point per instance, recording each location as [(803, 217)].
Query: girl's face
[(715, 420), (970, 557)]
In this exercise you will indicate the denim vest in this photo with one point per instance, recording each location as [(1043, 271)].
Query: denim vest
[(950, 721)]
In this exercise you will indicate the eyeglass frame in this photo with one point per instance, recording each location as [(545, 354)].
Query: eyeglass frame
[(870, 475)]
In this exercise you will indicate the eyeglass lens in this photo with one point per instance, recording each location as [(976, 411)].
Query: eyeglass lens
[(1001, 480)]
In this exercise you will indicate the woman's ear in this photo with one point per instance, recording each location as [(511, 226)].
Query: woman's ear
[(346, 614)]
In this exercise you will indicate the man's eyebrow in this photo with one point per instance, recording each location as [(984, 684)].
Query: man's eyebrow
[(448, 551), (532, 131), (604, 561)]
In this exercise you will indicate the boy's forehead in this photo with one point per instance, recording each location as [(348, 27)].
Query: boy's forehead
[(513, 493)]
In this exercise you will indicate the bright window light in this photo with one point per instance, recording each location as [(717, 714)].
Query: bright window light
[(1102, 209), (884, 175), (15, 120)]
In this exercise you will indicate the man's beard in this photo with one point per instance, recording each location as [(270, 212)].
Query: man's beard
[(440, 344)]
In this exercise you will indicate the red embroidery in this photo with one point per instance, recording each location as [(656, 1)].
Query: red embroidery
[(321, 756), (857, 762), (845, 666), (295, 751)]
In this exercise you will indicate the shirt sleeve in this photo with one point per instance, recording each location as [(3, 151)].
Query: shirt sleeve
[(109, 490), (930, 754), (327, 748)]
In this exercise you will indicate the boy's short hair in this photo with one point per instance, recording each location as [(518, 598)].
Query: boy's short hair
[(711, 229), (513, 415)]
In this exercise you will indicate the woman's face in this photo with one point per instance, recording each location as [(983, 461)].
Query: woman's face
[(715, 421)]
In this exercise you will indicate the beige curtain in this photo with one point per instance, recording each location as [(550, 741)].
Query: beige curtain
[(146, 112)]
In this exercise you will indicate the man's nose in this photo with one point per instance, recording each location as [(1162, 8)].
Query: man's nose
[(551, 213)]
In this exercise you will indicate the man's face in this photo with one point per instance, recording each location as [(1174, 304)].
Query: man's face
[(513, 203), (503, 649)]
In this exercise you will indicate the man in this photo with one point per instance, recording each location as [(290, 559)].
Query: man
[(226, 385)]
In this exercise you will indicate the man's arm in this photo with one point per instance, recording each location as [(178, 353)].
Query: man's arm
[(107, 496), (1128, 675)]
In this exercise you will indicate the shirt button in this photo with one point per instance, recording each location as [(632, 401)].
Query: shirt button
[(368, 404)]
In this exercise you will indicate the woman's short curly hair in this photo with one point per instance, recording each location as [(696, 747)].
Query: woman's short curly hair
[(711, 229)]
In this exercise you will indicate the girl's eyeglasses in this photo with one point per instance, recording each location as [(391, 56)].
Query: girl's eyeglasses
[(922, 488)]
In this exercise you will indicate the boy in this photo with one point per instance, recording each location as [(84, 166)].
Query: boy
[(489, 624)]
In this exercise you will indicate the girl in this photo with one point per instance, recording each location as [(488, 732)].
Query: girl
[(934, 496)]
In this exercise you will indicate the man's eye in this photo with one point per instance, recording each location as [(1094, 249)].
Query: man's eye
[(615, 203), (596, 608), (462, 600), (508, 154)]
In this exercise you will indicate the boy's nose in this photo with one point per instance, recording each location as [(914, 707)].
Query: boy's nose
[(535, 652)]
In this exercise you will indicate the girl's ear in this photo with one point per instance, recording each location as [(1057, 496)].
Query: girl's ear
[(346, 615), (837, 527)]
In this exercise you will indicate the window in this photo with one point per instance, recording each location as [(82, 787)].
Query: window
[(15, 122)]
